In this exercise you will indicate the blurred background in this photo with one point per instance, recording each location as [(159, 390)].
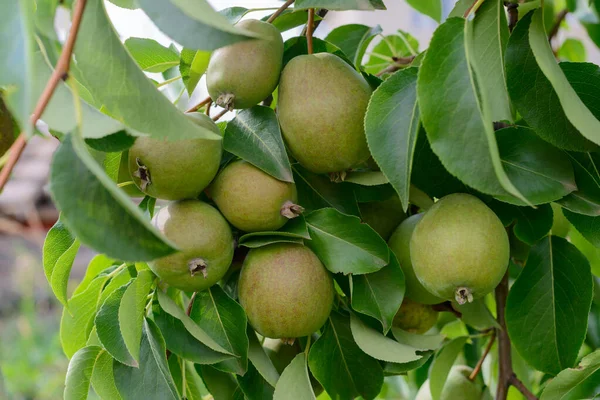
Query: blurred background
[(32, 364)]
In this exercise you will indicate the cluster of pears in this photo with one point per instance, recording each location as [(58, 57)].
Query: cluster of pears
[(457, 250)]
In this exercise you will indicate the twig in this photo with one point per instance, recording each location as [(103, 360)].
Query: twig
[(280, 10), (559, 19), (309, 29), (399, 63), (219, 115), (208, 106), (61, 71), (506, 375), (321, 13), (513, 14), (516, 382), (446, 306), (191, 304), (483, 356), (200, 105)]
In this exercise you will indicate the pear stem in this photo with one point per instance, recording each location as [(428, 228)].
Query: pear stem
[(280, 10), (200, 105), (219, 115), (483, 356), (309, 29)]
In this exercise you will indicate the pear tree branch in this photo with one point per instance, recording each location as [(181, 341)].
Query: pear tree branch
[(280, 10), (309, 30), (60, 72), (556, 27)]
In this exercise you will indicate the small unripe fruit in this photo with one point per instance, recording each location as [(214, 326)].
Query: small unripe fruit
[(459, 249), (253, 200), (205, 242), (400, 244), (285, 290), (415, 317), (321, 106), (383, 216), (176, 170), (457, 386), (243, 74)]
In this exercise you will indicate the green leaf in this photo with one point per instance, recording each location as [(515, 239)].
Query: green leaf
[(531, 224), (76, 323), (586, 199), (225, 321), (109, 330), (391, 47), (477, 315), (221, 385), (193, 23), (97, 211), (150, 55), (316, 192), (294, 383), (548, 305), (442, 364), (575, 110), (391, 369), (170, 307), (572, 50), (152, 378), (431, 8), (570, 380), (488, 43), (233, 14), (115, 142), (290, 19), (132, 310), (343, 369), (419, 342), (254, 136), (535, 98), (79, 374), (98, 264), (260, 241), (122, 278), (60, 249), (187, 380), (379, 294), (379, 346), (254, 386), (340, 5), (588, 226), (17, 65), (460, 8), (44, 18), (103, 380), (591, 252), (392, 125), (294, 229), (456, 121), (367, 178), (129, 4), (344, 244), (297, 46), (260, 359), (353, 40), (192, 66), (539, 170), (109, 71)]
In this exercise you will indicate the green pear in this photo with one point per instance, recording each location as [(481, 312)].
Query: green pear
[(176, 170), (457, 386), (460, 249), (415, 317), (205, 242), (253, 200), (400, 244), (285, 290), (243, 74), (383, 216), (321, 108), (560, 225)]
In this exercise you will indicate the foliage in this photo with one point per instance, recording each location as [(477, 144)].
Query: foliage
[(503, 114)]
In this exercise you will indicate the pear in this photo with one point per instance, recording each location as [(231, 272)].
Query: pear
[(243, 74), (205, 242), (176, 170), (415, 317), (383, 216), (400, 244), (457, 386), (285, 290), (321, 106), (460, 249), (253, 200)]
